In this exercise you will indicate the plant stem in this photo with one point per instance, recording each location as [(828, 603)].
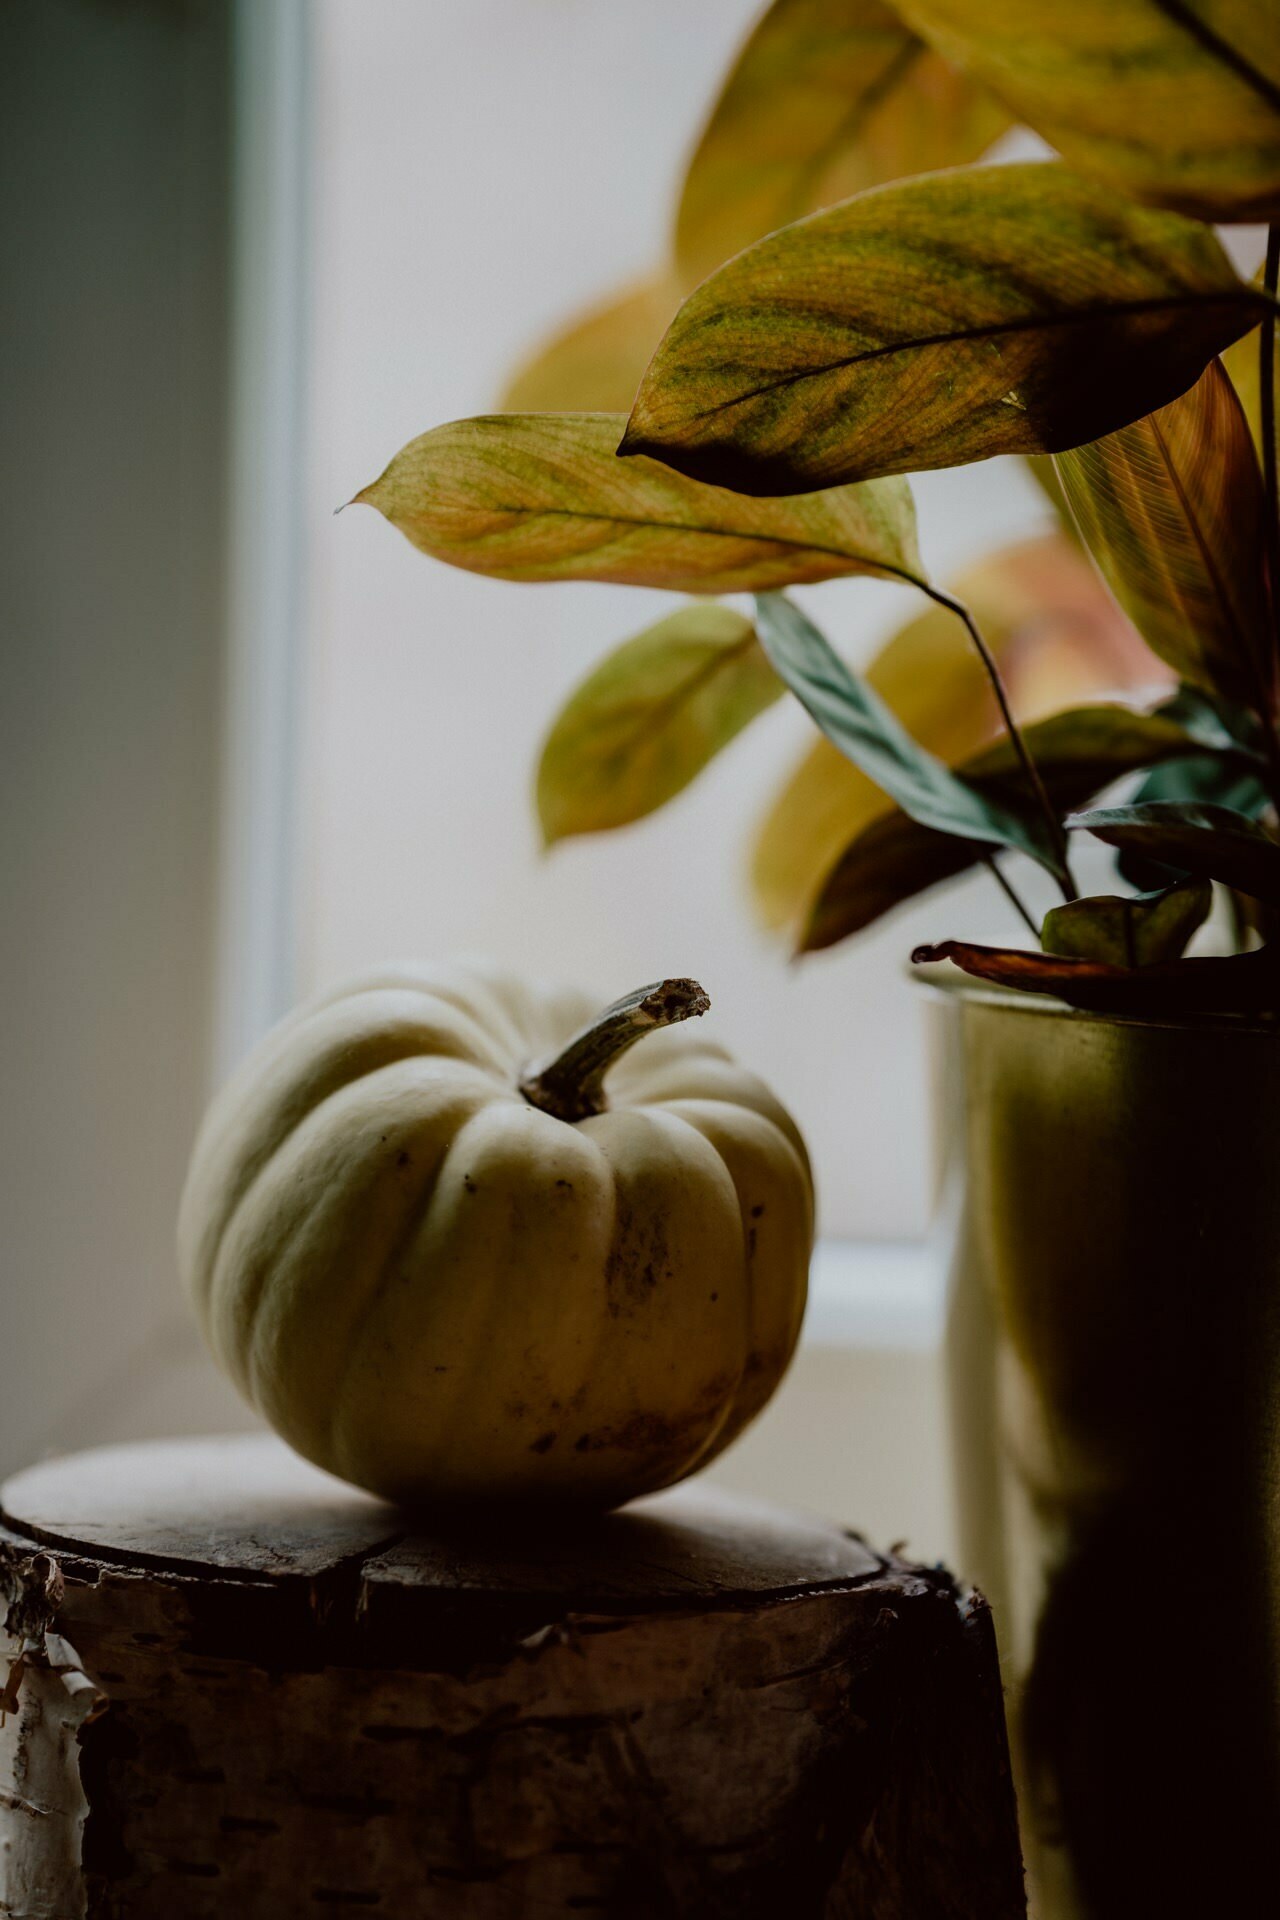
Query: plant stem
[(1057, 836), (1011, 896), (571, 1085), (1267, 408)]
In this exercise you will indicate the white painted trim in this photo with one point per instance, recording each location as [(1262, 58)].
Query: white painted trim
[(270, 202)]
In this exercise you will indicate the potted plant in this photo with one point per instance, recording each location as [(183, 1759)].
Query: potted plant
[(1116, 1337)]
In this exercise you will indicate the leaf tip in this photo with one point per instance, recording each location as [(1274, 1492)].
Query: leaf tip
[(367, 497), (549, 831), (818, 932), (801, 942)]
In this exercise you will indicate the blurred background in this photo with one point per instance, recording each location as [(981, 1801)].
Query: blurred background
[(249, 747)]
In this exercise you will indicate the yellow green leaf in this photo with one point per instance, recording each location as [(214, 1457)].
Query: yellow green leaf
[(1011, 309), (1174, 512), (1175, 102), (594, 364), (649, 717), (1128, 929), (827, 97), (541, 496), (1058, 637)]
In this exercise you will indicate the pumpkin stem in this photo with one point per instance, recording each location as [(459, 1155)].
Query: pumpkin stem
[(571, 1086)]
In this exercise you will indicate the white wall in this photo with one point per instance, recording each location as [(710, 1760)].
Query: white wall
[(112, 233), (483, 167)]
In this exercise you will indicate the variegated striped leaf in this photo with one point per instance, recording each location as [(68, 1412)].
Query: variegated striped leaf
[(1013, 309), (1175, 102), (1174, 512), (540, 496)]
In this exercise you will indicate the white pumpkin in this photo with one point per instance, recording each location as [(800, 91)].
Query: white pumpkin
[(450, 1278)]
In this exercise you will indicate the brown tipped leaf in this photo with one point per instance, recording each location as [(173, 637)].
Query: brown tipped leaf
[(1173, 510), (827, 97), (540, 496), (895, 858), (1175, 102), (649, 717), (1233, 983), (1011, 309)]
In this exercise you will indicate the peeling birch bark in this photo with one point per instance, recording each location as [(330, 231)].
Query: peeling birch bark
[(697, 1707), (47, 1701)]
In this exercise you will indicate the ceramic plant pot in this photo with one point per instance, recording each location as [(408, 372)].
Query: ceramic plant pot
[(1114, 1359)]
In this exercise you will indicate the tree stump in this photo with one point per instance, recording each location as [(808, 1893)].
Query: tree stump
[(247, 1690)]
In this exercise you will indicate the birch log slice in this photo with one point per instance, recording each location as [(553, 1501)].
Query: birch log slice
[(249, 1691)]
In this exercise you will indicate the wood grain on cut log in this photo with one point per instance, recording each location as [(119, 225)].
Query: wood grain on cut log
[(696, 1707)]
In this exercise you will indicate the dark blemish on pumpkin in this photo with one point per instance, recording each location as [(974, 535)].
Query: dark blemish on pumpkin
[(439, 1369), (657, 1432), (756, 1212), (402, 1158), (715, 1297), (763, 1363), (517, 1409), (469, 1183), (639, 1258), (566, 1184), (543, 1443)]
